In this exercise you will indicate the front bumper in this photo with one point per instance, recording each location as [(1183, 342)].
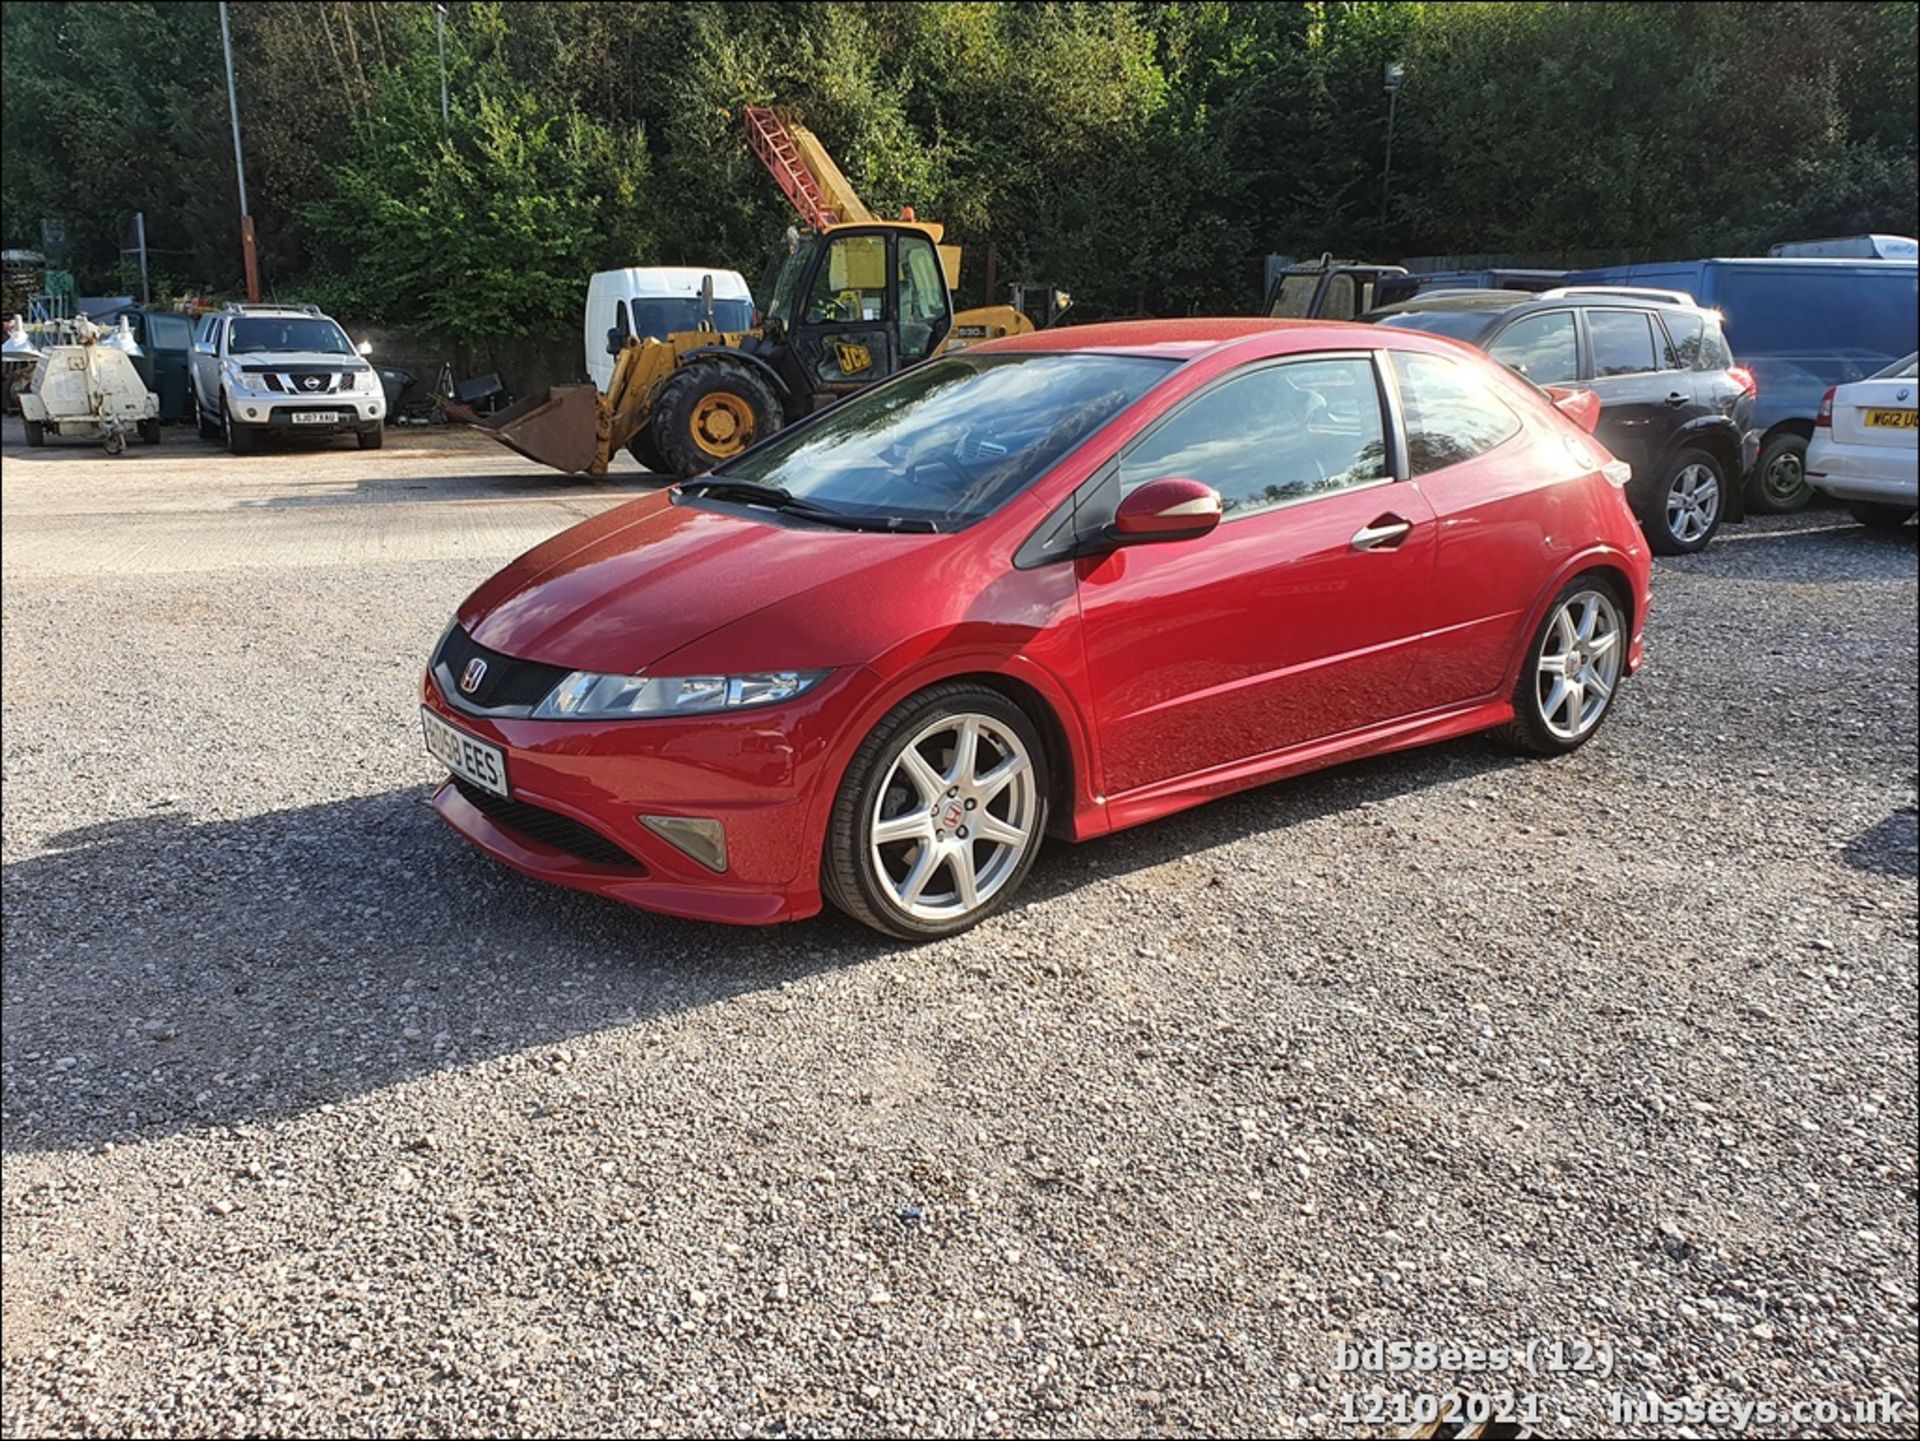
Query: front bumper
[(274, 413), (758, 772)]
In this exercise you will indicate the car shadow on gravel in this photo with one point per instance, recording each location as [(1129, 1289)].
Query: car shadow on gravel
[(164, 973), (1891, 848)]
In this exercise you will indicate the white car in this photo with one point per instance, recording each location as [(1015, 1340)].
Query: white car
[(1863, 448), (263, 370)]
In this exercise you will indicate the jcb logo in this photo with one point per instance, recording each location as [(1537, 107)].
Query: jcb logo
[(852, 358)]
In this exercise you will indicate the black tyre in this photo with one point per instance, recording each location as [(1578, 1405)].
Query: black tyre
[(940, 814), (372, 439), (240, 440), (646, 454), (709, 412), (150, 432), (207, 425), (1572, 671), (1876, 515), (1780, 482), (36, 433), (1683, 508)]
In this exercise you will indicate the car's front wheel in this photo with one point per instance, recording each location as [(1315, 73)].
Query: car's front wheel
[(1877, 515), (1685, 508), (940, 814), (1572, 670), (208, 427)]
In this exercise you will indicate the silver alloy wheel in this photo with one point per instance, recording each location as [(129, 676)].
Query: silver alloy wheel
[(1693, 503), (954, 817), (1579, 664)]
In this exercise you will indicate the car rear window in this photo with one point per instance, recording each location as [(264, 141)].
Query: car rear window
[(1686, 336)]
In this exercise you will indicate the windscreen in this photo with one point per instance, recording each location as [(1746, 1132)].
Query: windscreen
[(1467, 325), (953, 439), (252, 334), (664, 316)]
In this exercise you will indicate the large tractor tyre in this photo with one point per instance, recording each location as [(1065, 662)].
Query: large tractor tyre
[(646, 454), (709, 412), (1780, 483)]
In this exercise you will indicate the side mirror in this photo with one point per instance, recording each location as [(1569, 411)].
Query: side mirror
[(1173, 508), (365, 347), (616, 339), (203, 347), (1582, 407)]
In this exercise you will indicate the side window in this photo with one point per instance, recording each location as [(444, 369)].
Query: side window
[(1277, 434), (1451, 413), (1685, 332), (851, 285), (1338, 302), (1544, 348), (1622, 342), (170, 332), (923, 297)]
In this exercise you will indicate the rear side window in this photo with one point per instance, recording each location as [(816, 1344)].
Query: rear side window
[(1451, 413), (1622, 342), (1273, 435), (1714, 354), (1543, 348)]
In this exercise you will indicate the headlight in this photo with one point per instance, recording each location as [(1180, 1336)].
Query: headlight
[(585, 695)]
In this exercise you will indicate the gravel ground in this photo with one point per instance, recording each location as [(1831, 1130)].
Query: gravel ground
[(318, 1121)]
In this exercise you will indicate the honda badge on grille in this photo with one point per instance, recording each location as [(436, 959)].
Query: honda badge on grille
[(471, 677)]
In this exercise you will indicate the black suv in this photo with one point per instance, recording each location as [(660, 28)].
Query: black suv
[(1673, 405)]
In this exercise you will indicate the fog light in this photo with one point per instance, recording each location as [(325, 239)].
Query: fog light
[(252, 414), (705, 841)]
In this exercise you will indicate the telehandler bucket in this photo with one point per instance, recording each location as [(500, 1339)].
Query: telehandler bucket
[(564, 426)]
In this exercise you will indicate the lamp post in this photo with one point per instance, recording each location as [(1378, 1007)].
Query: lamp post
[(240, 164), (1395, 76), (440, 25)]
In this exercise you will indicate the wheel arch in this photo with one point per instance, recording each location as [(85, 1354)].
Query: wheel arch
[(1605, 563)]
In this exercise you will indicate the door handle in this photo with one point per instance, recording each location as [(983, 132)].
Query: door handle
[(1676, 399), (1384, 534)]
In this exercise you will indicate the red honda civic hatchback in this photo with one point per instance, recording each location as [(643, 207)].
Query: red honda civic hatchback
[(1056, 584)]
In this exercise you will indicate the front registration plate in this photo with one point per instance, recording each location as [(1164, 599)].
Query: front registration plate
[(470, 759), (1891, 419), (314, 417)]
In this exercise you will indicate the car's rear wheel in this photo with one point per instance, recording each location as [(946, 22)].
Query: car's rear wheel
[(1876, 515), (1684, 510), (940, 814), (1780, 480), (1572, 670)]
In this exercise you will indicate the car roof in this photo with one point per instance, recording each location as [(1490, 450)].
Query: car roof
[(1182, 339), (1495, 302)]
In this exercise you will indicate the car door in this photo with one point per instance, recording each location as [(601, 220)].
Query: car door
[(206, 363), (1495, 501), (843, 336), (1643, 404), (1298, 617)]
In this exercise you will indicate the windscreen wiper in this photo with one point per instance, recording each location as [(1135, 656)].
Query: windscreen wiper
[(774, 497)]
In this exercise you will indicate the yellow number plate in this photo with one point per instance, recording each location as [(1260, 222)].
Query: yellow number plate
[(1891, 419)]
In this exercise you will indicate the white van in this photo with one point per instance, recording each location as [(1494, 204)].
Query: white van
[(656, 300)]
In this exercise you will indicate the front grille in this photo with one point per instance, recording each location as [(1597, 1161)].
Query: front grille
[(548, 828), (508, 682)]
